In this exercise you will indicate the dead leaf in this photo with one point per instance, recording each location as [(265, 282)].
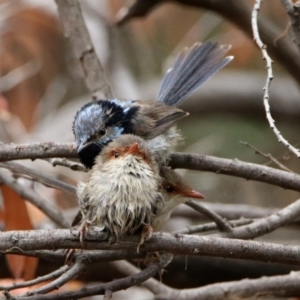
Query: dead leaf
[(16, 218)]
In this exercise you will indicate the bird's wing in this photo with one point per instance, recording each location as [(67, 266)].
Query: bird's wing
[(191, 69), (155, 118), (77, 219)]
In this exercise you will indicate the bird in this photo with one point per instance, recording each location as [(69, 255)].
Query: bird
[(122, 193), (175, 191), (99, 122)]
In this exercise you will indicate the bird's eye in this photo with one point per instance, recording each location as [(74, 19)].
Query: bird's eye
[(116, 154), (169, 188), (102, 131)]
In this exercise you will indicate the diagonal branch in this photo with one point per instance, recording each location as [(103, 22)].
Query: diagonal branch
[(266, 225), (39, 177), (37, 280), (100, 289), (29, 194), (222, 224), (74, 27), (78, 267)]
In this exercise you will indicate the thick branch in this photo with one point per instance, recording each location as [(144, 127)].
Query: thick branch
[(37, 150), (236, 168), (283, 285), (198, 162), (75, 28), (269, 224), (175, 244)]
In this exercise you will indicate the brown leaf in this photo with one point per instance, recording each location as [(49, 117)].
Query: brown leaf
[(16, 218)]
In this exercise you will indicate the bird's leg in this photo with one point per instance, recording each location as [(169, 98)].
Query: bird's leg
[(81, 231), (145, 236)]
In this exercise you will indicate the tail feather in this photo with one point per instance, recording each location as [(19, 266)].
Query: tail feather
[(191, 69)]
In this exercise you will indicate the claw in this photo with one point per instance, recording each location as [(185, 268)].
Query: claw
[(81, 231), (145, 236)]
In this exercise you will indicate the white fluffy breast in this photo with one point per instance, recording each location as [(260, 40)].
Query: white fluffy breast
[(121, 194)]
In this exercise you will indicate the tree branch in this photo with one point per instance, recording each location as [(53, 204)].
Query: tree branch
[(221, 223), (29, 194), (239, 13), (37, 150), (100, 289), (268, 224), (37, 280), (39, 177), (293, 11), (237, 168), (74, 27), (175, 244)]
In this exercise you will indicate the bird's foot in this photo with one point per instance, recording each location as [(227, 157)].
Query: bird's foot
[(81, 231), (145, 236)]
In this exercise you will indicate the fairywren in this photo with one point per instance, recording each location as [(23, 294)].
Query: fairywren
[(99, 122), (122, 193), (175, 191)]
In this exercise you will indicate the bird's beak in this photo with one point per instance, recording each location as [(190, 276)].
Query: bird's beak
[(134, 149), (193, 194), (83, 146)]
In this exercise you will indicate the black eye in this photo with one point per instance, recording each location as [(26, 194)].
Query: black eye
[(116, 154), (169, 188), (102, 131)]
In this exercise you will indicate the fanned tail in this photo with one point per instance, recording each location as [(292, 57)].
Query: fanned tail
[(191, 69)]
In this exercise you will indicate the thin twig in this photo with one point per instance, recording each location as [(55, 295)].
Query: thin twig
[(74, 27), (116, 285), (67, 163), (29, 194), (153, 285), (266, 97), (39, 177), (37, 280), (267, 155), (293, 11), (78, 267), (211, 226), (222, 224)]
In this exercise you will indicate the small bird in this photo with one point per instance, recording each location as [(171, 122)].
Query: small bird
[(122, 193), (175, 191), (101, 121)]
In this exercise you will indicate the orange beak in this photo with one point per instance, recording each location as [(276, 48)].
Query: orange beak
[(193, 194), (134, 149)]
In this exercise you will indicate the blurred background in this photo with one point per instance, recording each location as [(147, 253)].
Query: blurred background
[(41, 88)]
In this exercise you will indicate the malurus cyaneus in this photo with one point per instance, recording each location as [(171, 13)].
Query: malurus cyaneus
[(99, 122)]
